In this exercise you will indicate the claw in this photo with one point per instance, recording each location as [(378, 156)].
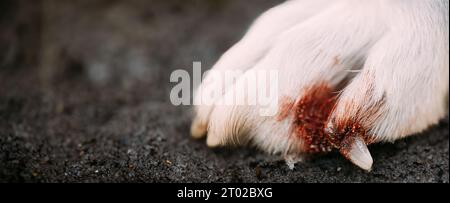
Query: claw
[(354, 148), (198, 129), (213, 141)]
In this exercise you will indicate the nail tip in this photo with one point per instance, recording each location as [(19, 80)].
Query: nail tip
[(198, 131), (213, 142), (360, 155)]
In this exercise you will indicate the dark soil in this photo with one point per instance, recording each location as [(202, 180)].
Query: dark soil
[(84, 97)]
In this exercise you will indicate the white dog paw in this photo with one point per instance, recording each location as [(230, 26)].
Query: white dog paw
[(349, 74)]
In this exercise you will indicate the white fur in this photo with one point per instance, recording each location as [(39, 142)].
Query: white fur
[(398, 49)]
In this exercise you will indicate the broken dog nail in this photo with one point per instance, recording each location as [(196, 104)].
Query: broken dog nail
[(354, 148)]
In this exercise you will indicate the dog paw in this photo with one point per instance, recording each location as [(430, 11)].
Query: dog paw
[(348, 74)]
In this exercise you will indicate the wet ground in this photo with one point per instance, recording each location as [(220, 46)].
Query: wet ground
[(84, 97)]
